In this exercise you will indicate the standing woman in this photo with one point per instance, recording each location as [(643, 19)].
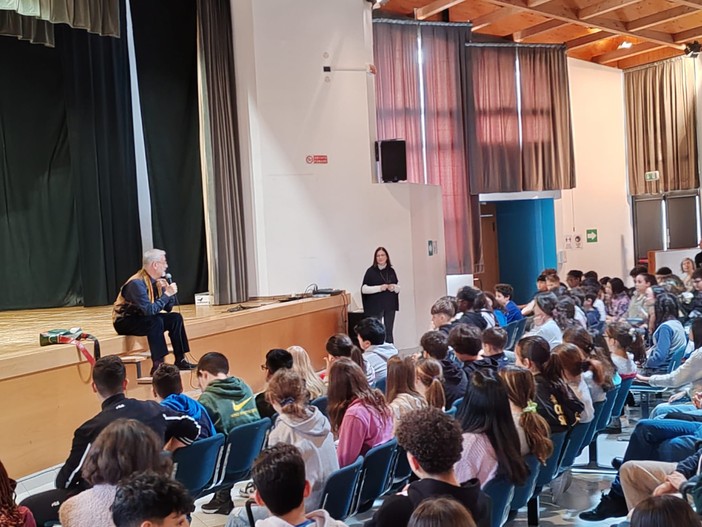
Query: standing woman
[(380, 291)]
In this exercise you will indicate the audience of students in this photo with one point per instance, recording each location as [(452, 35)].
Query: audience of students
[(442, 313), (467, 343), (359, 415), (435, 344), (556, 402), (617, 300), (124, 447), (574, 364), (638, 306), (109, 384), (490, 440), (402, 396), (11, 514), (465, 298), (503, 295), (276, 359), (303, 366), (668, 337), (371, 339), (494, 341), (433, 443), (430, 382)]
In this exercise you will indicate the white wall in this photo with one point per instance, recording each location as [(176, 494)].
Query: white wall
[(321, 223), (600, 200)]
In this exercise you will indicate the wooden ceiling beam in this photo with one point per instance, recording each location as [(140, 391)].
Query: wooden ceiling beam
[(603, 8), (588, 39), (536, 3), (697, 4), (690, 34), (659, 18), (566, 14), (532, 31), (490, 18), (618, 54), (422, 13)]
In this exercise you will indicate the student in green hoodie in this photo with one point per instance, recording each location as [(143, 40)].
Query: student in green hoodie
[(230, 402)]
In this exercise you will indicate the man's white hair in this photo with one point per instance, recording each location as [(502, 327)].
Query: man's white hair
[(153, 255)]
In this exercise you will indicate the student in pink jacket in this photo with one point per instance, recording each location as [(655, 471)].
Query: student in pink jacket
[(358, 414)]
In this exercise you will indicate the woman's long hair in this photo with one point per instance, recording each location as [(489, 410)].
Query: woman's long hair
[(288, 389), (485, 410), (576, 363), (341, 345), (303, 366), (348, 383), (665, 308), (521, 390), (584, 340), (124, 447), (696, 330), (8, 508), (401, 378), (430, 374), (538, 352), (628, 338)]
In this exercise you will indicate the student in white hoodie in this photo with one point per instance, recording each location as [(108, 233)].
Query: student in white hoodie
[(279, 476), (300, 425), (371, 338)]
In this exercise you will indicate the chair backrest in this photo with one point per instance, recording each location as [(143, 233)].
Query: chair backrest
[(380, 384), (321, 404), (375, 477), (621, 396), (600, 412), (609, 403), (523, 493), (577, 435), (195, 465), (501, 492), (340, 489), (401, 470), (511, 330), (520, 330), (244, 444), (548, 471)]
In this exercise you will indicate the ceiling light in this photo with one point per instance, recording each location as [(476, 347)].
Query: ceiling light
[(625, 45)]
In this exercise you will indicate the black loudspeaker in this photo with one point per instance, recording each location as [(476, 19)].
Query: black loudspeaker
[(391, 156)]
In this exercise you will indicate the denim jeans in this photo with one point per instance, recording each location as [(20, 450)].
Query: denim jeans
[(660, 440), (663, 409)]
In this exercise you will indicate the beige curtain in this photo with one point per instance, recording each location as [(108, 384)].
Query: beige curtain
[(547, 144), (33, 19), (222, 186), (661, 110)]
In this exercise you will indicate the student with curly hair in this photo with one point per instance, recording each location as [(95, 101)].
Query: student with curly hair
[(358, 414), (12, 515), (148, 498), (433, 442)]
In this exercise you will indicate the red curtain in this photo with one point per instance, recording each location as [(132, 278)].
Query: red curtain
[(398, 104), (443, 51)]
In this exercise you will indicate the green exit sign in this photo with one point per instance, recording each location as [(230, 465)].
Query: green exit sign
[(591, 235), (653, 175)]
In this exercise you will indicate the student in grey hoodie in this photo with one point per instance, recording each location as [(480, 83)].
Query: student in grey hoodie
[(302, 426), (371, 339), (279, 477)]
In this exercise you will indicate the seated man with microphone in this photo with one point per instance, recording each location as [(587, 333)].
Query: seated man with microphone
[(139, 308)]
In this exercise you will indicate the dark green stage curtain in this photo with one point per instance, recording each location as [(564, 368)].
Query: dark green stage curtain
[(165, 43), (38, 237), (101, 137)]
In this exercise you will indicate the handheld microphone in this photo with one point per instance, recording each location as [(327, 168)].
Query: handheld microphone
[(169, 278)]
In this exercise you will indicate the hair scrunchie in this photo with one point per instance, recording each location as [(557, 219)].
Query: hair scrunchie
[(530, 408), (287, 401)]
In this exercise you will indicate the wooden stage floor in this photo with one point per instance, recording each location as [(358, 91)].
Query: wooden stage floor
[(19, 330)]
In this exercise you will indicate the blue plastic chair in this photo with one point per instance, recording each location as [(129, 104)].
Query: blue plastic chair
[(376, 476), (380, 384), (620, 401), (321, 404), (511, 330), (501, 492), (452, 411), (522, 493), (195, 465), (401, 471), (546, 473), (521, 326), (340, 489), (575, 440), (244, 444)]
